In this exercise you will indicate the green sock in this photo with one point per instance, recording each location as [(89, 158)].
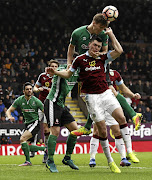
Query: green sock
[(26, 150), (71, 141), (126, 107), (88, 123), (51, 146), (36, 148)]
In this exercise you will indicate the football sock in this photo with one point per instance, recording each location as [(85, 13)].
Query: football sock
[(120, 145), (126, 137), (71, 141), (46, 136), (26, 150), (126, 107), (88, 123), (94, 144), (51, 146), (105, 146), (36, 148)]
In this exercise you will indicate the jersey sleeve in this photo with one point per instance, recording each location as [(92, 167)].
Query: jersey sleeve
[(38, 82), (16, 103), (40, 104), (73, 39), (75, 65), (119, 79), (105, 38)]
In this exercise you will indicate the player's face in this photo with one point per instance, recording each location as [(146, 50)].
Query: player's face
[(28, 91), (95, 46), (54, 66), (97, 28)]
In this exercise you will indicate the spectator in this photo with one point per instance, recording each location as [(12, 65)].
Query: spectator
[(16, 64), (20, 120), (42, 64), (147, 88), (7, 101), (148, 114), (23, 51), (149, 102), (3, 70), (2, 106), (3, 139), (8, 64), (24, 64), (142, 106), (139, 87)]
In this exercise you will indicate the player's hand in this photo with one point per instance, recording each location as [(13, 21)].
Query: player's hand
[(49, 70), (12, 119), (137, 96), (95, 54), (108, 31), (40, 88)]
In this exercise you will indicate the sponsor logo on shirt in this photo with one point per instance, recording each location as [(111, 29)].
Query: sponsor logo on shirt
[(84, 46), (92, 66), (29, 110), (47, 84)]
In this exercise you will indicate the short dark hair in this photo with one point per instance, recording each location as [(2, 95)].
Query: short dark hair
[(53, 61), (96, 37), (26, 84)]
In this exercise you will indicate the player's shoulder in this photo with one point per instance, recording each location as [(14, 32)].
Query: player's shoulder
[(103, 34), (82, 56), (80, 29), (114, 73), (43, 74)]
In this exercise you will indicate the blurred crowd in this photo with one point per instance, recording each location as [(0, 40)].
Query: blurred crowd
[(32, 33)]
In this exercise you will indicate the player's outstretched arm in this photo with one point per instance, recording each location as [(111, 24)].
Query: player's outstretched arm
[(118, 50), (125, 90), (64, 74), (70, 53), (8, 113)]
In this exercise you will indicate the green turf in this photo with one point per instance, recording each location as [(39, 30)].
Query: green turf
[(9, 169)]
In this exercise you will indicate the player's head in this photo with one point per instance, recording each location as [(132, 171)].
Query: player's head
[(54, 64), (27, 89), (99, 23), (95, 44)]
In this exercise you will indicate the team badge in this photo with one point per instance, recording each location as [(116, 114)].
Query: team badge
[(84, 38), (47, 84), (33, 103), (92, 63)]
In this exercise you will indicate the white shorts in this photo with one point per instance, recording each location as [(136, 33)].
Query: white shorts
[(42, 116), (110, 121), (99, 104)]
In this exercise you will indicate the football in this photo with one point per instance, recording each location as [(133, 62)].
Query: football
[(110, 13)]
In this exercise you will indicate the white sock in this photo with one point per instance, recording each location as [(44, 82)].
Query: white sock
[(120, 145), (106, 150), (94, 144), (127, 138)]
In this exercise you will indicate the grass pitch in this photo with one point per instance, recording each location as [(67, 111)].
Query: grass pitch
[(9, 169)]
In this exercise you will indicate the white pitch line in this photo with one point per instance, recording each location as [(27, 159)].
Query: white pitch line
[(106, 167)]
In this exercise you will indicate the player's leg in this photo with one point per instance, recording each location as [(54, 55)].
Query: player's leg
[(94, 144), (127, 139), (136, 117), (96, 107), (46, 132), (84, 130), (120, 145), (33, 141), (70, 124), (25, 147), (52, 114)]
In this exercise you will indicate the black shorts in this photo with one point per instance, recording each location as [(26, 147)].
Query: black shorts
[(56, 115), (33, 127)]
